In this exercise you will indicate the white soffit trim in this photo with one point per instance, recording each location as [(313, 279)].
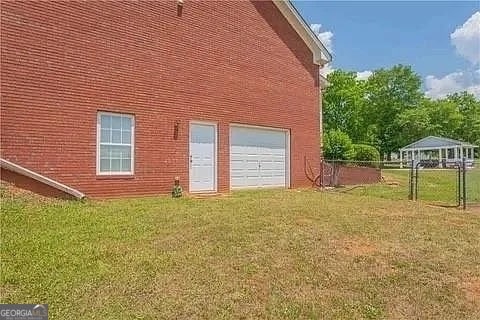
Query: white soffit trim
[(38, 177), (321, 56), (323, 81)]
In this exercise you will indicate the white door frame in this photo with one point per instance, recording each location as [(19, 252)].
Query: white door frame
[(287, 145), (215, 151)]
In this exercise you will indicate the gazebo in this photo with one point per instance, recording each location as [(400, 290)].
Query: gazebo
[(437, 152)]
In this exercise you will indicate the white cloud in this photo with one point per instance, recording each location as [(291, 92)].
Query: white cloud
[(326, 70), (363, 75), (325, 36), (453, 82), (466, 39)]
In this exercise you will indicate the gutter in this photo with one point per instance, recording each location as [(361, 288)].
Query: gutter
[(321, 56), (309, 30), (5, 164)]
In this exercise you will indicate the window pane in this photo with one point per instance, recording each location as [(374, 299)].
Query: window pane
[(116, 122), (115, 129), (126, 164), (116, 165), (104, 152), (126, 137), (126, 153), (104, 165), (116, 136), (126, 123), (115, 152), (105, 121), (105, 135), (120, 152)]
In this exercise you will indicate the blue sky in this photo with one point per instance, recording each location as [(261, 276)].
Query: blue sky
[(440, 40)]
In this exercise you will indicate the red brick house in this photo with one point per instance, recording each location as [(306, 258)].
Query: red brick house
[(118, 98)]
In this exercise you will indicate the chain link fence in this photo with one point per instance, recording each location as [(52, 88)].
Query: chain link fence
[(472, 185), (457, 185), (440, 187), (346, 172)]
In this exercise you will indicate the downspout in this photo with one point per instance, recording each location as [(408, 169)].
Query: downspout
[(7, 165), (317, 179)]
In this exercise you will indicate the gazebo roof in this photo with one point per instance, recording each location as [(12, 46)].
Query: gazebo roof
[(436, 143)]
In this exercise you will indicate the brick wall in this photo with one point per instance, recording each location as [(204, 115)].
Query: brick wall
[(351, 175), (359, 175), (228, 62)]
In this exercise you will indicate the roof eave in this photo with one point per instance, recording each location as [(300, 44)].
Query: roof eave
[(321, 56), (454, 143)]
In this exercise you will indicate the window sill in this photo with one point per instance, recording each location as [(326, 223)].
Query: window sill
[(115, 176)]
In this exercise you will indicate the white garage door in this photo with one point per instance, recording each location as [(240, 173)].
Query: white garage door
[(258, 157)]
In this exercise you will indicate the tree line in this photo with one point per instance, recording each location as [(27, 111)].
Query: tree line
[(389, 110)]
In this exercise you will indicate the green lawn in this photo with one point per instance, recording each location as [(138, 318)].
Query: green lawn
[(270, 254), (434, 186)]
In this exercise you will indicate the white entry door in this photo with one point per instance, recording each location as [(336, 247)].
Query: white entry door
[(258, 157), (203, 146)]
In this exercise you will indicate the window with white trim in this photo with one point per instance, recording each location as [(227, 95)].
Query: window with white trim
[(115, 138)]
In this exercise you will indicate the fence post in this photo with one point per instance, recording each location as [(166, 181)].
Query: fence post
[(459, 184), (410, 194), (464, 167), (416, 180)]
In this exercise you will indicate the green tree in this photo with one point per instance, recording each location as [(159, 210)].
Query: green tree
[(432, 117), (389, 93), (445, 118), (337, 145), (413, 124), (389, 110), (343, 106), (469, 108)]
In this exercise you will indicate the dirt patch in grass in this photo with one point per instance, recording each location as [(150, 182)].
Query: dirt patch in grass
[(356, 246), (6, 289), (475, 208), (471, 288)]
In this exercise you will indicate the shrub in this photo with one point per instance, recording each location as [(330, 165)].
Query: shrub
[(367, 153), (337, 145)]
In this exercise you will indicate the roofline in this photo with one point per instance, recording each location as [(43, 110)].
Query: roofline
[(459, 143), (438, 148), (408, 145), (321, 56)]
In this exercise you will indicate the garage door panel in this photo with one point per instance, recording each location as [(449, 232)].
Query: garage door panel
[(251, 163), (273, 167), (273, 173), (271, 159), (258, 157)]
